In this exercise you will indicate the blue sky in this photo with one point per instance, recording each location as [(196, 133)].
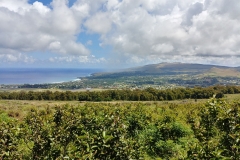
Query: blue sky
[(118, 33)]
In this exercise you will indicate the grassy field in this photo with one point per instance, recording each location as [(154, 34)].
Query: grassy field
[(232, 97), (19, 108)]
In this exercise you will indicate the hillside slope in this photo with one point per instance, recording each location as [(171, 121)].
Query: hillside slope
[(221, 72), (173, 69)]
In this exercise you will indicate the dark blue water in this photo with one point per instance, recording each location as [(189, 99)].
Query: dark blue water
[(42, 75)]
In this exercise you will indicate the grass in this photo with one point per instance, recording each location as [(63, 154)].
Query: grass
[(232, 97), (19, 108)]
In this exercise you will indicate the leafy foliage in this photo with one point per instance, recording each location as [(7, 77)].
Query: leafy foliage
[(124, 131), (217, 131)]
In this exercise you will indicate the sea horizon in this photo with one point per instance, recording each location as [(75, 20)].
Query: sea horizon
[(19, 76)]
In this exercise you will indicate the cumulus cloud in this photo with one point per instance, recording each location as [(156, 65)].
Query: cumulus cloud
[(18, 57), (152, 31), (174, 30), (99, 23), (27, 28), (170, 30), (77, 59), (192, 11), (68, 47)]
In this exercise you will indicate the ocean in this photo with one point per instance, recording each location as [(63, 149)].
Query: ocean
[(42, 75)]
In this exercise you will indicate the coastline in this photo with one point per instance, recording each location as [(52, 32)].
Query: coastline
[(32, 76)]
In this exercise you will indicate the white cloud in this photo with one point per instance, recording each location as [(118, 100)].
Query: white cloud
[(77, 59), (99, 23), (111, 4), (40, 8), (163, 48), (15, 5), (35, 28), (178, 30), (192, 11), (17, 57), (138, 31), (68, 47)]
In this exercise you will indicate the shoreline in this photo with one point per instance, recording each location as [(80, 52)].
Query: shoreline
[(43, 76)]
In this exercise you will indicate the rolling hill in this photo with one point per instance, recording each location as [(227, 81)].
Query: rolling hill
[(168, 69), (220, 72)]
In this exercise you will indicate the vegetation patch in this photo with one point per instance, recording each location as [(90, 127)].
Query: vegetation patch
[(119, 130)]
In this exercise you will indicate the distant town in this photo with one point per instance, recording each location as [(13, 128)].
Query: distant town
[(158, 76)]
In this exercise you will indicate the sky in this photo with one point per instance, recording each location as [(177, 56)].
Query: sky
[(118, 33)]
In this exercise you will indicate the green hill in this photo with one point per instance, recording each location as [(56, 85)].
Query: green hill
[(172, 69), (221, 72)]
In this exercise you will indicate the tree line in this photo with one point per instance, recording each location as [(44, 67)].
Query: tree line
[(149, 94)]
